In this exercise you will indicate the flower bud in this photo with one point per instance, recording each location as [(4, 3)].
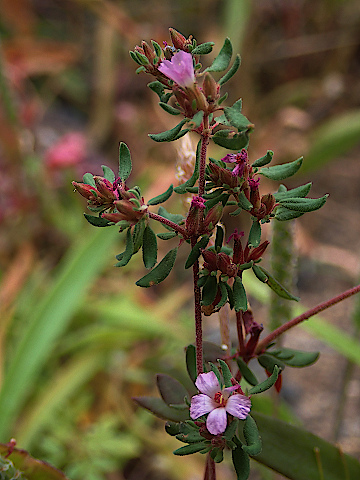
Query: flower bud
[(213, 216), (226, 266), (210, 258), (195, 215), (148, 52), (178, 40), (210, 88)]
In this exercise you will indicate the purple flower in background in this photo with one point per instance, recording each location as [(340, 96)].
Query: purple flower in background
[(180, 69), (217, 403)]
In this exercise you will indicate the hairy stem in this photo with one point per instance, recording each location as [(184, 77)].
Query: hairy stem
[(203, 151), (240, 331), (305, 316), (198, 317), (169, 223), (210, 469)]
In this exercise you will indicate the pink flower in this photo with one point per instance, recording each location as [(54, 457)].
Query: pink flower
[(180, 69), (217, 403), (67, 152)]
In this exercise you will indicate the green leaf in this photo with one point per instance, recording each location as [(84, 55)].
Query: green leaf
[(173, 217), (260, 162), (88, 178), (203, 48), (192, 180), (195, 251), (241, 462), (246, 372), (125, 165), (97, 221), (190, 437), (304, 204), (224, 295), (283, 193), (269, 362), (168, 135), (157, 48), (169, 109), (223, 59), (240, 300), (166, 235), (282, 214), (209, 290), (255, 234), (231, 429), (158, 407), (276, 286), (162, 197), (191, 362), (298, 454), (126, 255), (138, 235), (192, 448), (243, 202), (160, 272), (158, 88), (234, 142), (266, 384), (219, 237), (197, 119), (226, 374), (295, 358), (279, 172), (149, 247), (171, 390), (231, 72), (252, 438), (108, 173), (236, 118)]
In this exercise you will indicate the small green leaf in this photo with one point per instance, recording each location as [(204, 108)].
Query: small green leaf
[(138, 235), (241, 462), (149, 247), (260, 274), (209, 290), (240, 300), (246, 372), (157, 48), (230, 295), (171, 390), (191, 361), (158, 88), (226, 374), (195, 251), (296, 358), (169, 109), (252, 438), (266, 384), (234, 142), (283, 214), (125, 165), (269, 362), (173, 217), (197, 119), (231, 72), (134, 57), (192, 448), (159, 408), (255, 234), (108, 173), (279, 172), (126, 255), (97, 221), (224, 295), (191, 437), (192, 180), (304, 204), (172, 428), (243, 202), (203, 48), (166, 235), (276, 286), (160, 272), (260, 162), (231, 429), (88, 178), (168, 135), (283, 193), (142, 59), (236, 118), (162, 197), (223, 59)]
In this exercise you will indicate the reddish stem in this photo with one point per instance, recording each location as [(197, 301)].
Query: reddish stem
[(169, 223), (198, 317), (204, 144), (304, 316), (210, 469), (239, 326)]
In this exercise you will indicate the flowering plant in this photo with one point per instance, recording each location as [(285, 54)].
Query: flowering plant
[(214, 414)]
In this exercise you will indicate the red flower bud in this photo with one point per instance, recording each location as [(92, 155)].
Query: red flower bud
[(178, 40)]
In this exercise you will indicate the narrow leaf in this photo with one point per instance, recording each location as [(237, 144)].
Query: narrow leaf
[(304, 204), (149, 248), (283, 193), (192, 448), (166, 235), (240, 300), (195, 252), (160, 272), (168, 135), (296, 358), (225, 371), (252, 438), (162, 197), (246, 372), (209, 290), (169, 109), (255, 234), (223, 59), (108, 173), (88, 178), (203, 48), (277, 287), (282, 214), (97, 221), (231, 72), (241, 463), (125, 165), (171, 390), (234, 142), (191, 361), (126, 255), (260, 162), (269, 362), (266, 384), (279, 172), (243, 202), (158, 407)]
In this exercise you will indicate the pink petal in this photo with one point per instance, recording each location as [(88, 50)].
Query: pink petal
[(239, 406), (217, 421), (208, 383), (200, 405), (180, 69)]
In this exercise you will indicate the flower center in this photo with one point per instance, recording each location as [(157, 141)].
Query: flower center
[(219, 398)]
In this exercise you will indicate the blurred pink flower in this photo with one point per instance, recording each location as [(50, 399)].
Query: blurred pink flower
[(180, 69), (68, 151), (217, 403)]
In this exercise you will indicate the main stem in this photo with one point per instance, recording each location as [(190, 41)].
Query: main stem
[(305, 316), (197, 293)]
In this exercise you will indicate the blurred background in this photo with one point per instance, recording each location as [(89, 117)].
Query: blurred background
[(77, 338)]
